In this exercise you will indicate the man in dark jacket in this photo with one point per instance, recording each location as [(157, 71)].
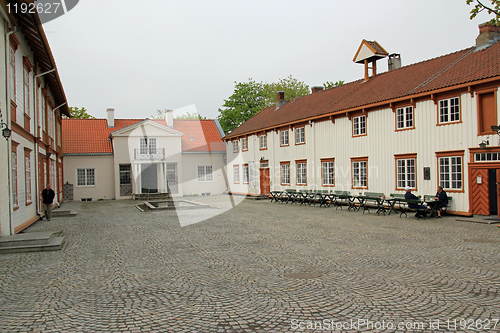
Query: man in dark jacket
[(48, 195), (414, 205), (443, 200)]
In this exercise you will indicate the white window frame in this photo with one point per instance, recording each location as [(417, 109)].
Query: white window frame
[(236, 147), (360, 174), (147, 146), (284, 138), (244, 144), (236, 174), (12, 61), (359, 125), (328, 173), (406, 173), (451, 172), (263, 142), (244, 170), (27, 170), (285, 173), (404, 118), (205, 173), (300, 135), (26, 91), (15, 194), (301, 170), (449, 108), (86, 177)]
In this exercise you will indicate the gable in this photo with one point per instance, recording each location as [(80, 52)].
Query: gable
[(147, 128)]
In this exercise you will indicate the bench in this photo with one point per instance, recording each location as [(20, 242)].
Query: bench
[(341, 198), (373, 200), (289, 196)]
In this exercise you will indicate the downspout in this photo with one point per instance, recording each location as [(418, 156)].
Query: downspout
[(35, 91)]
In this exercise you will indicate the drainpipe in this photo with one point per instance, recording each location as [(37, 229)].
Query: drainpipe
[(35, 91)]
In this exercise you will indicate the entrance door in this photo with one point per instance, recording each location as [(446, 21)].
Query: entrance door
[(172, 178), (480, 192), (149, 178), (265, 187)]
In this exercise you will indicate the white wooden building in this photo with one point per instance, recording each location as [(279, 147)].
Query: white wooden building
[(32, 101), (419, 125)]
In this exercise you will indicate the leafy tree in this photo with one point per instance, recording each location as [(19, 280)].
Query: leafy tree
[(494, 8), (329, 84), (79, 113), (160, 114), (247, 99), (250, 97), (292, 87), (189, 115)]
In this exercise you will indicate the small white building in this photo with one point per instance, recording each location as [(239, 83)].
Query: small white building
[(119, 158), (419, 125)]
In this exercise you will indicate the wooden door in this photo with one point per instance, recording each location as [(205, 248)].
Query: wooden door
[(498, 191), (480, 192), (265, 187)]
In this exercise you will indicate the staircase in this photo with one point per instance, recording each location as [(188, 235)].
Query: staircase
[(152, 196), (32, 242), (61, 213)]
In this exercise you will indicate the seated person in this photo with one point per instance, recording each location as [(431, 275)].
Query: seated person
[(411, 196), (443, 200)]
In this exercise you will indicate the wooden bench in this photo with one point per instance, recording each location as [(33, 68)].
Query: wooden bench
[(341, 198), (373, 200)]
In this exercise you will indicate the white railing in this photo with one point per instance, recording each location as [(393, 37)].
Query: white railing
[(153, 154)]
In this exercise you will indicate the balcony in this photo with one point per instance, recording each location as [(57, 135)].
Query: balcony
[(150, 154)]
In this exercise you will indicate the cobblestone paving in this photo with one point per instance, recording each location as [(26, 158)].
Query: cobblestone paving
[(125, 271)]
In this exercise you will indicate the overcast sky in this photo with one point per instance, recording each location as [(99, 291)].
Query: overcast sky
[(139, 56)]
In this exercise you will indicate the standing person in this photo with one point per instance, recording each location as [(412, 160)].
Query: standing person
[(411, 196), (443, 200), (48, 195)]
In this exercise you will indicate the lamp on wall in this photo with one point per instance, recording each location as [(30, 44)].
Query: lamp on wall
[(6, 132), (48, 154), (261, 159), (484, 143)]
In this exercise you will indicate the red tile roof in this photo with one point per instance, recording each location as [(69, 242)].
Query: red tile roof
[(91, 136), (447, 71)]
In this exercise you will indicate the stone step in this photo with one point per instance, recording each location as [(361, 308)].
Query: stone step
[(60, 212), (55, 244), (33, 241)]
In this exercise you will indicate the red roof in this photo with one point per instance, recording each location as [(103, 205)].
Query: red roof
[(446, 71), (91, 136)]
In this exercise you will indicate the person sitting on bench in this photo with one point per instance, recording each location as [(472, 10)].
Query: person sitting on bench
[(443, 200), (413, 205)]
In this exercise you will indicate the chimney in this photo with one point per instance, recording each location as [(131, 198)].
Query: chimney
[(316, 89), (110, 117), (488, 34), (169, 118), (394, 61), (280, 99)]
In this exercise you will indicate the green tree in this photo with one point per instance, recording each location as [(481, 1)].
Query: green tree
[(160, 114), (250, 97), (494, 8), (247, 99), (292, 87), (79, 113), (329, 84), (189, 115)]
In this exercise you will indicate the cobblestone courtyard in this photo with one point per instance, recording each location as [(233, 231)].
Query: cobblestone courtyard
[(256, 268)]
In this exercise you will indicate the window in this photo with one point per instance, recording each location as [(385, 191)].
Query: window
[(244, 144), (12, 60), (486, 112), (15, 198), (236, 174), (301, 167), (26, 91), (404, 118), (264, 164), (300, 136), (245, 173), (285, 173), (359, 172), (85, 177), (125, 174), (449, 110), (235, 146), (406, 171), (147, 146), (359, 126), (327, 172), (284, 138), (27, 177), (486, 157), (450, 168), (263, 142), (205, 173)]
